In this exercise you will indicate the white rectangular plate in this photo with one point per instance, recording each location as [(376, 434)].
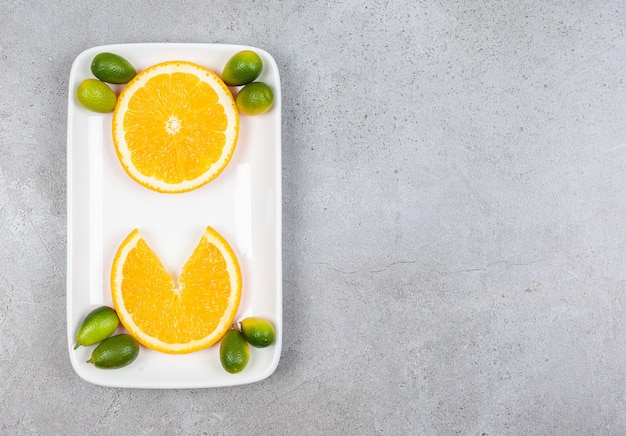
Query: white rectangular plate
[(104, 205)]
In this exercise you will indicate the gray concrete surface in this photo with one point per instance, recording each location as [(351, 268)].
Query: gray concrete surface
[(454, 215)]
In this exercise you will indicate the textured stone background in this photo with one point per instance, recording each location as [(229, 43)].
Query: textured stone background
[(454, 203)]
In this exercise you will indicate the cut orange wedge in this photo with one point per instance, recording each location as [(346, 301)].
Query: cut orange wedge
[(176, 317)]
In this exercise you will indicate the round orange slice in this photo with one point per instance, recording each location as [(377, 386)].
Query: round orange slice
[(176, 317), (175, 127)]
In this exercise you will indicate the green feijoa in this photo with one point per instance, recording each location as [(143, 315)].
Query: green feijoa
[(98, 325), (259, 332), (234, 351), (115, 352), (96, 96), (112, 68)]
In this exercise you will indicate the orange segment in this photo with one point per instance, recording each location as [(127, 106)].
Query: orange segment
[(175, 127), (176, 317)]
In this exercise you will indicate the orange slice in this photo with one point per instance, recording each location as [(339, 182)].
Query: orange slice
[(176, 317), (175, 127)]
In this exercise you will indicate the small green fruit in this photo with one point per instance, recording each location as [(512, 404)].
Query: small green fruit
[(96, 96), (234, 351), (242, 68), (112, 68), (258, 332), (115, 352), (254, 99), (98, 325)]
